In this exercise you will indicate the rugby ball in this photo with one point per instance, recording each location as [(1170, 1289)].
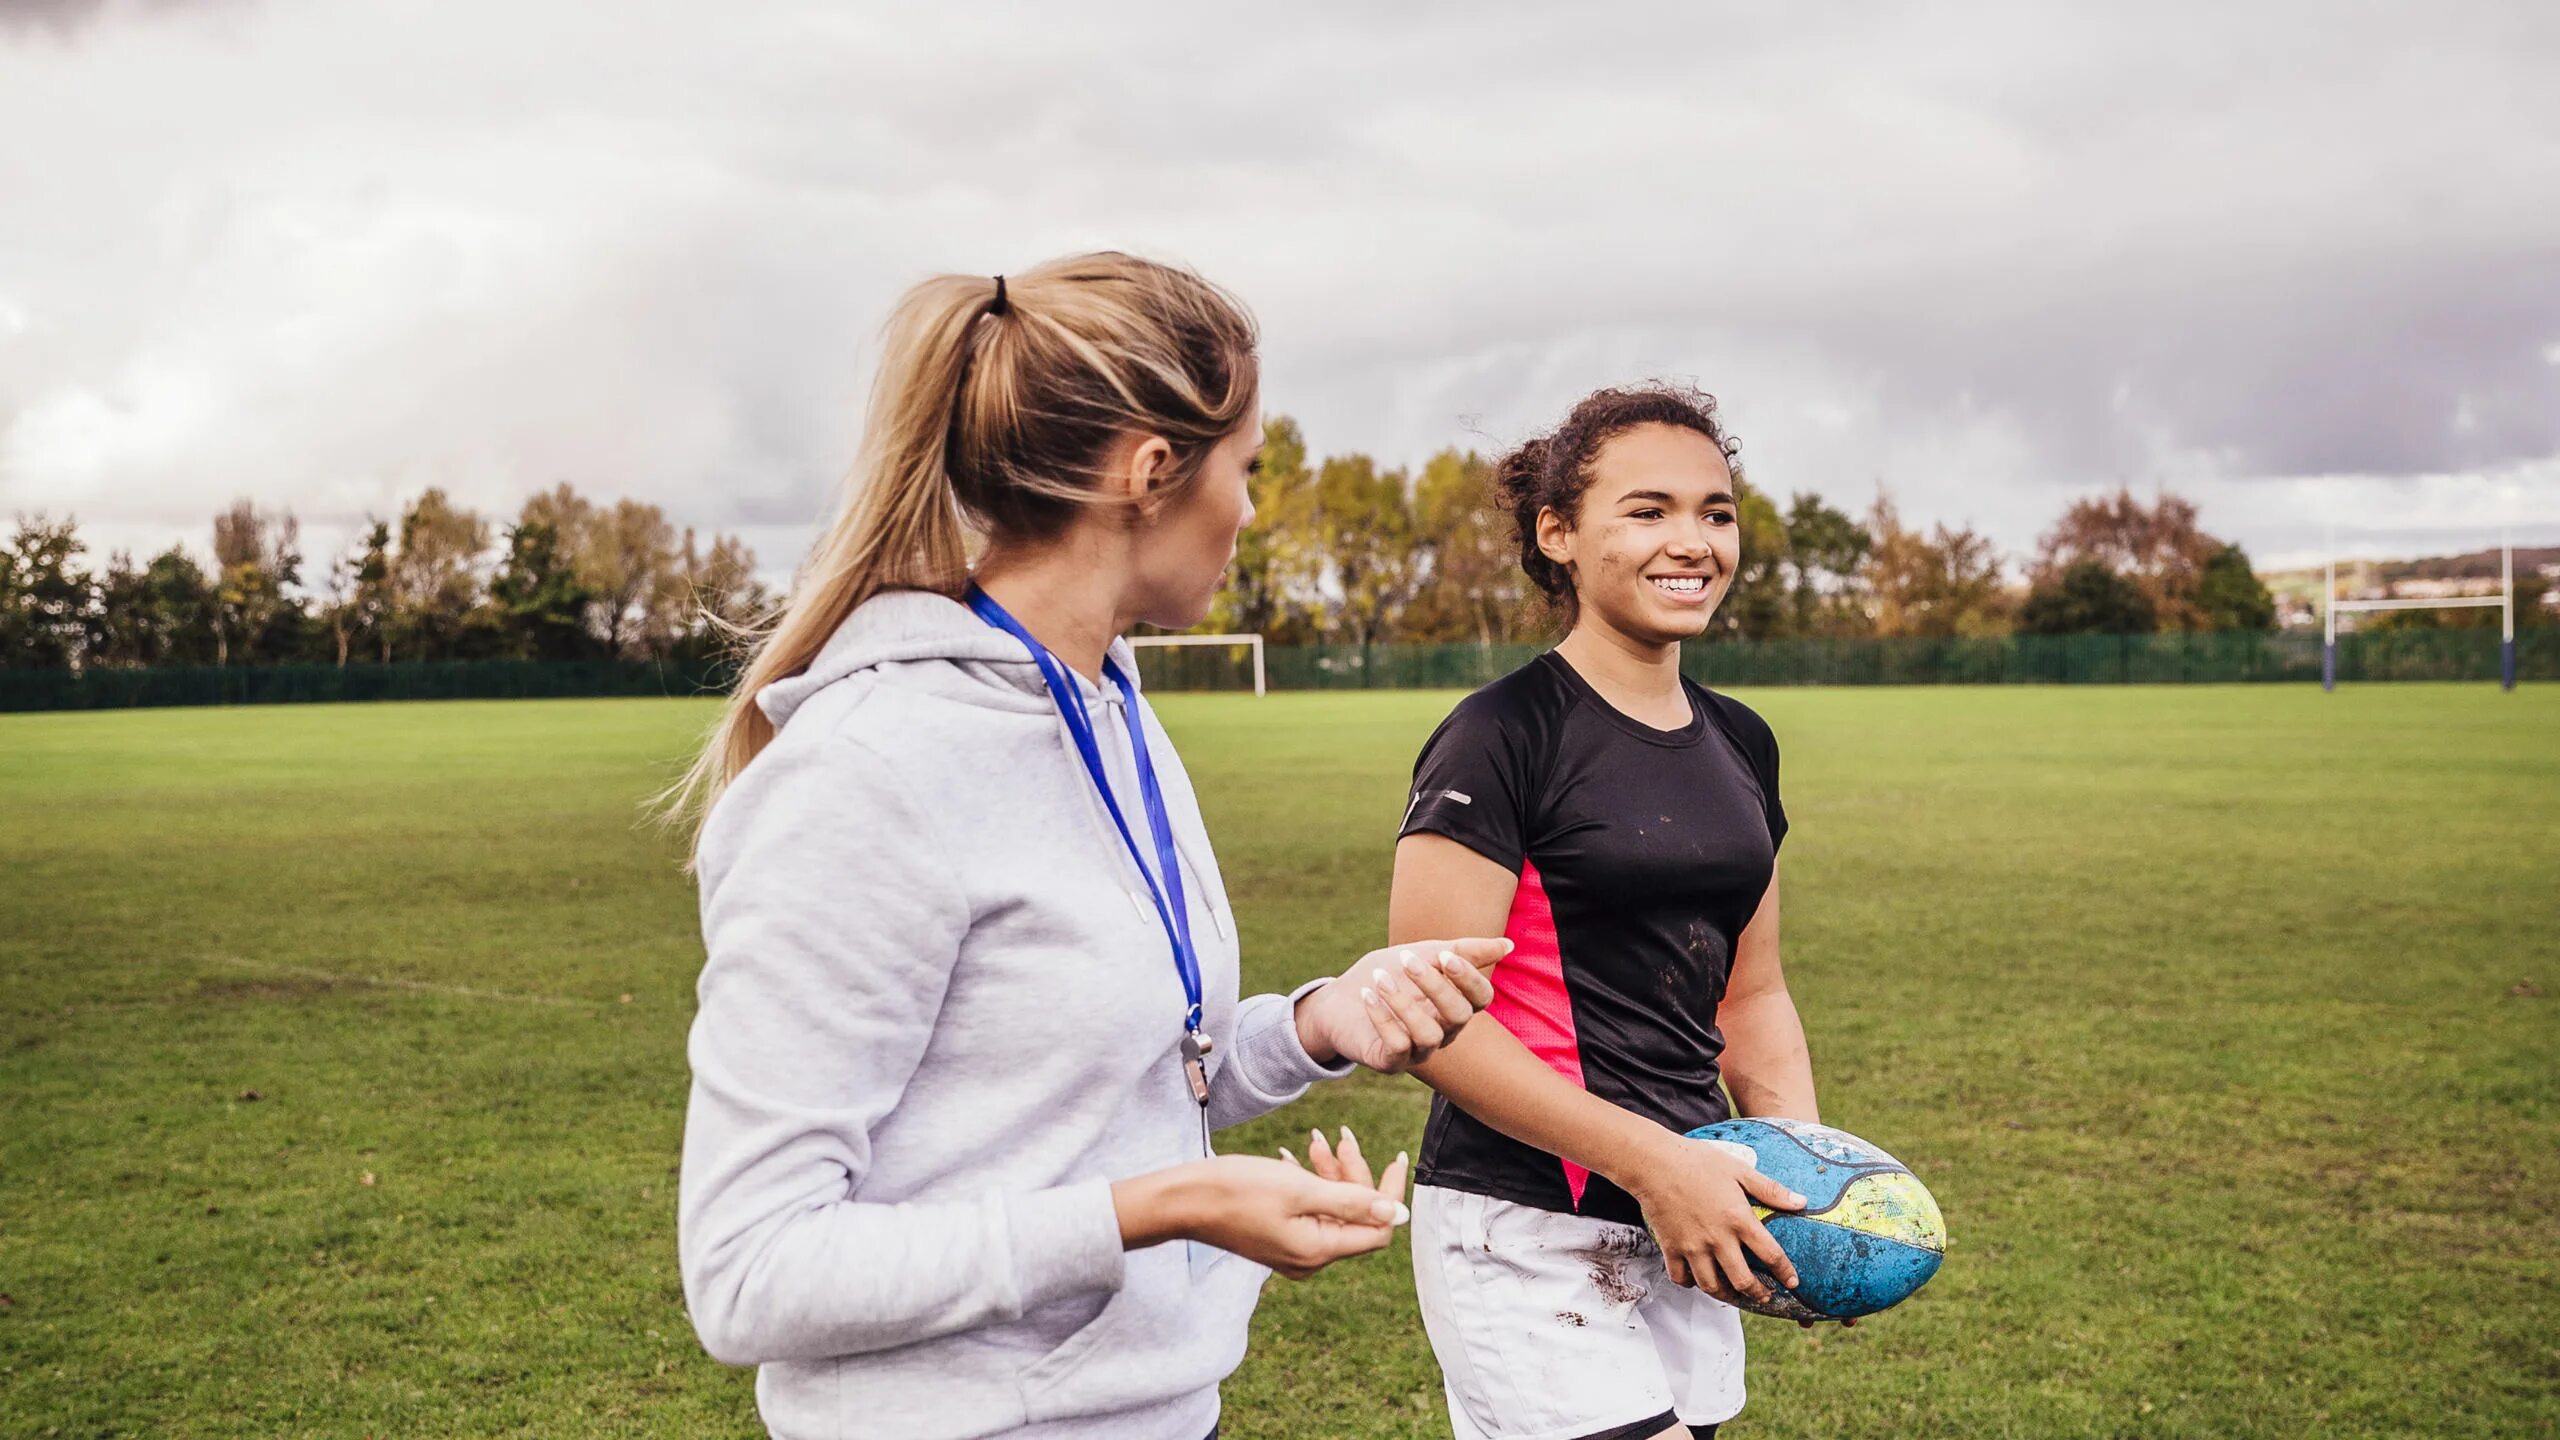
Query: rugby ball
[(1869, 1234)]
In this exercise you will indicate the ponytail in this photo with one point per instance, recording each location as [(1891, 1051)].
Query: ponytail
[(991, 409)]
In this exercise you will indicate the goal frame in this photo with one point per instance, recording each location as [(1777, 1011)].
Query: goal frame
[(1255, 641), (2505, 600)]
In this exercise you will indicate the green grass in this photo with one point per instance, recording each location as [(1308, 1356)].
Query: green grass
[(2224, 1022)]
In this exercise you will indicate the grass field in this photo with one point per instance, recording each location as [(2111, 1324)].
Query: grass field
[(341, 1067)]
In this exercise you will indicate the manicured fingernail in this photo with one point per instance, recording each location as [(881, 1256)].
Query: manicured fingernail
[(1403, 1215), (1368, 996), (1384, 984), (1407, 957), (1346, 1134), (1315, 1138), (1403, 1159), (1453, 962), (1412, 965)]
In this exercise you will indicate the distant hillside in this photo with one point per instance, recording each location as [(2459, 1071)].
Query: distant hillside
[(2477, 565), (2297, 592)]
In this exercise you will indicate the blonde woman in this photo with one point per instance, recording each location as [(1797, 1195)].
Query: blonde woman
[(970, 1013)]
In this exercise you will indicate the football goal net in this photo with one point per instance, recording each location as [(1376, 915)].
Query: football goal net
[(1199, 662)]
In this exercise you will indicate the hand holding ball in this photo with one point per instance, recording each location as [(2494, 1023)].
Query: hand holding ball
[(1869, 1233)]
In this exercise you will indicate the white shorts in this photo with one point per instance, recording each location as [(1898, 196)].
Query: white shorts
[(1556, 1327)]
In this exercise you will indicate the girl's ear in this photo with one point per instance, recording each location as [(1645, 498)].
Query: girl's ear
[(1555, 536)]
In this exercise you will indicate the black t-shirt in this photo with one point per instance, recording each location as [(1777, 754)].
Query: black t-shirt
[(1642, 854)]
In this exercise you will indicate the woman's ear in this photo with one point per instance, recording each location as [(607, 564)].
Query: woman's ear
[(1145, 463), (1555, 536)]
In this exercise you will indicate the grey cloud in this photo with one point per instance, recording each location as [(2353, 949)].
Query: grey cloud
[(66, 19), (1990, 254)]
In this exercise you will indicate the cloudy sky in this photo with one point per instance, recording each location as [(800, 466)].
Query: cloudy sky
[(2299, 261)]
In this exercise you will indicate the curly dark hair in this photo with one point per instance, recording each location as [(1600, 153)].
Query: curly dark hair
[(1551, 471)]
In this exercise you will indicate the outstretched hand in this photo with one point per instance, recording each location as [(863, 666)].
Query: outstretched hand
[(1294, 1218), (1395, 1008)]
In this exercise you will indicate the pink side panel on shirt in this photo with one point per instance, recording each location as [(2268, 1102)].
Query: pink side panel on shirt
[(1529, 998)]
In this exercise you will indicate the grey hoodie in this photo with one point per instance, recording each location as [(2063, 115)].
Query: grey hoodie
[(939, 1016)]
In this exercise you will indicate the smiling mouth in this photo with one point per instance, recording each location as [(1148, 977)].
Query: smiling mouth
[(1685, 587)]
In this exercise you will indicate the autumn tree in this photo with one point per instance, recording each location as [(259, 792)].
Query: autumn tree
[(629, 560), (1944, 583), (435, 576), (724, 599), (1756, 606), (2159, 547), (625, 556), (1364, 519), (1271, 585), (1473, 589), (257, 559)]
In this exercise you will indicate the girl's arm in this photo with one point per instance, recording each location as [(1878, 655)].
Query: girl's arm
[(1696, 1198), (1389, 1012), (1766, 1066), (1384, 1012)]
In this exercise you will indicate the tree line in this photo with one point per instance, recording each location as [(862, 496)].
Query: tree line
[(1343, 550), (569, 579), (1346, 551)]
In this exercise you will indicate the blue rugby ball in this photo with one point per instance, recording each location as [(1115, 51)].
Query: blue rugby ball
[(1869, 1233)]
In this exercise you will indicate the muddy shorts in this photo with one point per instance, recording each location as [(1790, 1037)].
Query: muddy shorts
[(1560, 1327)]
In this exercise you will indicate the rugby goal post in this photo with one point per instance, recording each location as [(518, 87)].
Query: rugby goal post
[(2505, 600), (1252, 641)]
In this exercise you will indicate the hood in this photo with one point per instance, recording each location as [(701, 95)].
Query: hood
[(981, 664)]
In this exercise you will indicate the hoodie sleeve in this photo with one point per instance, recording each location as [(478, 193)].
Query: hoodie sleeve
[(833, 923), (1267, 1067)]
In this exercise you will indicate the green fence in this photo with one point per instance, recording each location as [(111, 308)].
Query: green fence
[(2003, 660), (106, 689), (2007, 660)]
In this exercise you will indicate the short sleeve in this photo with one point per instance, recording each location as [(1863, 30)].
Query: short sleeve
[(1470, 785), (1776, 808), (1758, 745)]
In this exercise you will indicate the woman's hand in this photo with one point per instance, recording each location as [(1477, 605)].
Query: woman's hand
[(1272, 1212), (1697, 1197), (1394, 1007)]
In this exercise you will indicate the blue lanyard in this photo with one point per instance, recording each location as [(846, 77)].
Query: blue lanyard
[(1170, 906)]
